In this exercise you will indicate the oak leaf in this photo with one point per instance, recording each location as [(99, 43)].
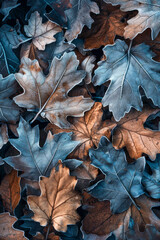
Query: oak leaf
[(128, 68), (10, 191), (49, 95), (7, 231), (41, 33), (33, 160), (58, 201), (87, 130)]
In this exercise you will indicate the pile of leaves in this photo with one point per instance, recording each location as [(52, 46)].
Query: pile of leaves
[(79, 119)]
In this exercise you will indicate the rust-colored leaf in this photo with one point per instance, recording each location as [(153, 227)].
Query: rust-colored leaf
[(130, 133), (58, 201), (7, 232), (109, 23), (101, 221), (88, 130), (10, 191)]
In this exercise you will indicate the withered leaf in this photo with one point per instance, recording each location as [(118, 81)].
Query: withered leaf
[(6, 229), (130, 133), (7, 6), (3, 135), (49, 95), (87, 130), (101, 221), (33, 160), (122, 183), (10, 191), (9, 111), (58, 201), (78, 16), (148, 16), (41, 33), (106, 26)]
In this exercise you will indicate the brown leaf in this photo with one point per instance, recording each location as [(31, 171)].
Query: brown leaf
[(3, 135), (7, 232), (102, 222), (48, 95), (58, 201), (130, 133), (10, 191), (51, 236), (109, 23), (88, 130)]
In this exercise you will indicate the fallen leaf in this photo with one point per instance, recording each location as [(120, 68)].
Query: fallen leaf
[(7, 231), (10, 191), (87, 130), (41, 33), (128, 68), (49, 95), (101, 221), (148, 16), (122, 183), (78, 16), (33, 160), (130, 133), (58, 201), (9, 111), (109, 23)]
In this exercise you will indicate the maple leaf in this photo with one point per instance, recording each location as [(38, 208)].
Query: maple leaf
[(88, 65), (130, 133), (122, 181), (152, 181), (49, 95), (128, 68), (106, 26), (6, 224), (78, 16), (148, 16), (34, 160), (87, 130), (41, 33), (9, 111), (10, 191), (101, 221), (58, 201)]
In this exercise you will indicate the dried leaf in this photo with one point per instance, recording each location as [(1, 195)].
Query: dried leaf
[(10, 191), (101, 221), (58, 201), (78, 16), (49, 95), (122, 183), (7, 231), (87, 130), (148, 16), (41, 33)]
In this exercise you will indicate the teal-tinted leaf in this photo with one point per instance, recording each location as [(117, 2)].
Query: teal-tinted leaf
[(122, 182), (34, 160), (128, 68), (152, 181)]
